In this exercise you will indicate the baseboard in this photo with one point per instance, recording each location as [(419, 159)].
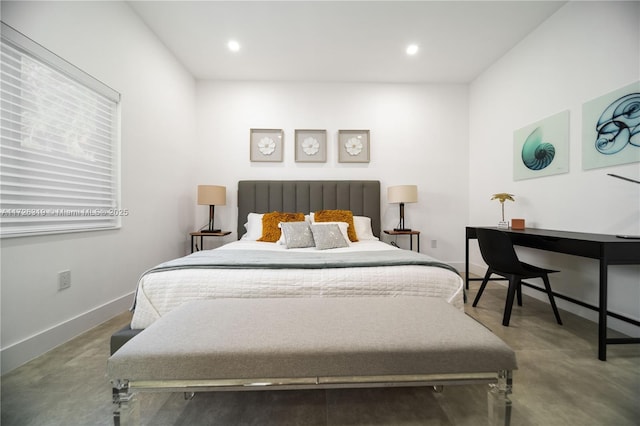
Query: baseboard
[(24, 351), (475, 269)]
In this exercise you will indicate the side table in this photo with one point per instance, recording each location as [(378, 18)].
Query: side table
[(195, 235), (409, 233)]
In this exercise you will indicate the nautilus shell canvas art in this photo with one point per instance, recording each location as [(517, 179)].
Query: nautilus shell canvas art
[(611, 128), (542, 148)]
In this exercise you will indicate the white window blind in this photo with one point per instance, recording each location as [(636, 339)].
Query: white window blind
[(59, 165)]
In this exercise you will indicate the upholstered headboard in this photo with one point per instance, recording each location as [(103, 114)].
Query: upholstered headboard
[(362, 197)]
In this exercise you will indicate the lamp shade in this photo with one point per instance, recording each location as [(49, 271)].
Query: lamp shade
[(402, 194), (212, 195)]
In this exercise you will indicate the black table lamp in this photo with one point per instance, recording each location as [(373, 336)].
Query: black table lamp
[(211, 195), (402, 194)]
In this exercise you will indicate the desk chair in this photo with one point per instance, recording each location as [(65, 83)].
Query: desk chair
[(500, 256)]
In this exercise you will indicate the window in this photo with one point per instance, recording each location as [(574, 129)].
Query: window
[(59, 165)]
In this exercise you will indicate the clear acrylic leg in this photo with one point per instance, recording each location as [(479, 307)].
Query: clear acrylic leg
[(498, 400), (126, 410)]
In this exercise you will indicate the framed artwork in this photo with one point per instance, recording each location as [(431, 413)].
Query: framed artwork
[(353, 146), (311, 146), (542, 148), (266, 145), (611, 128)]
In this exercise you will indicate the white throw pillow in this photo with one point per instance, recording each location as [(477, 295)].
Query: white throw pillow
[(363, 228), (253, 227)]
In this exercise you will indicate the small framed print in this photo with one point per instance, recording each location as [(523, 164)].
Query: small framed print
[(266, 145), (353, 146), (311, 146)]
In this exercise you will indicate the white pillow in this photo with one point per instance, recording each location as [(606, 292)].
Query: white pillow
[(253, 227), (363, 228), (343, 226), (362, 224)]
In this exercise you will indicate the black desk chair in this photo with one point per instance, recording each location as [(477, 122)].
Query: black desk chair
[(498, 253)]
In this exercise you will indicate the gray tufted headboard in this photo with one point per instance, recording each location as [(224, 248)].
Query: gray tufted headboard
[(362, 197)]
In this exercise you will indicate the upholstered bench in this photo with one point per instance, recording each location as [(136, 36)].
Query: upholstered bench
[(296, 343)]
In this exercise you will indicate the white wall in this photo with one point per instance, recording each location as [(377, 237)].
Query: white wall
[(585, 50), (418, 136), (107, 40)]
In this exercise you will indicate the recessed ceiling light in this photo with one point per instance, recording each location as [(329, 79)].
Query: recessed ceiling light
[(412, 49), (233, 45)]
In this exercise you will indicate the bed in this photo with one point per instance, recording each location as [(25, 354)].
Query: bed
[(367, 267), (296, 312)]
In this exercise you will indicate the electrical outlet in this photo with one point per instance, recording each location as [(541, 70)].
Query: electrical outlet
[(434, 243), (64, 279)]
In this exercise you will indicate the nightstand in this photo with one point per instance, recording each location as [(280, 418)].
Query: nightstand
[(409, 233), (200, 234)]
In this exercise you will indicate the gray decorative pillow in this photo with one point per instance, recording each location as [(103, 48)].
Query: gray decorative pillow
[(328, 236), (297, 234)]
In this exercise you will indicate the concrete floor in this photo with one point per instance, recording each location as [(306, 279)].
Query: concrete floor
[(560, 381)]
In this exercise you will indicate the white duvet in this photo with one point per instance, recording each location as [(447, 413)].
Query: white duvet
[(160, 292)]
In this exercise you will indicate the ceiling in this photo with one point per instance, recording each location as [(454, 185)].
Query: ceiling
[(346, 41)]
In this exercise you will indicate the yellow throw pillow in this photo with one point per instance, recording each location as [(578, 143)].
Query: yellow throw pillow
[(338, 216), (270, 221)]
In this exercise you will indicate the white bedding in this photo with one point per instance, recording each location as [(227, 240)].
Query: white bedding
[(160, 292)]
